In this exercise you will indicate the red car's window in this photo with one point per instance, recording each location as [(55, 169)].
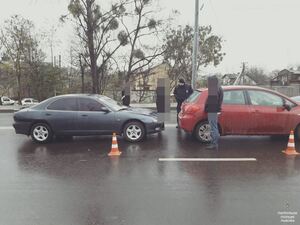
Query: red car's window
[(234, 98), (193, 97), (265, 99)]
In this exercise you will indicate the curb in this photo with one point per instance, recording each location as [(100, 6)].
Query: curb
[(8, 110)]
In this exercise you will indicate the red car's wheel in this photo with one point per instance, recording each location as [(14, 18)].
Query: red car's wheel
[(202, 132)]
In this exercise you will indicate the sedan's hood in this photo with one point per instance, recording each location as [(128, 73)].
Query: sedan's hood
[(140, 111)]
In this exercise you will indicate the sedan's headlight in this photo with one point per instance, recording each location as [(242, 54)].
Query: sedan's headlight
[(154, 120)]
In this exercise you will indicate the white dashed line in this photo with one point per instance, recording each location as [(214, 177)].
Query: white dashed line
[(206, 159), (6, 128), (171, 125)]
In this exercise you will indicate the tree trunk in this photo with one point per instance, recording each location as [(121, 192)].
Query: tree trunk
[(82, 74), (18, 72), (92, 53)]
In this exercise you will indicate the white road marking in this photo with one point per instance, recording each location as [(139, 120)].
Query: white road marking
[(6, 128), (170, 125), (206, 159)]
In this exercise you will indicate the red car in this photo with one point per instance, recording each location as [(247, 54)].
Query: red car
[(246, 110)]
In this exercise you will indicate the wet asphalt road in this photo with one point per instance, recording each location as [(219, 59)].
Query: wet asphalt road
[(75, 183)]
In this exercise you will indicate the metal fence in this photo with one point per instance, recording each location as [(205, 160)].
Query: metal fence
[(293, 90), (135, 96), (150, 96)]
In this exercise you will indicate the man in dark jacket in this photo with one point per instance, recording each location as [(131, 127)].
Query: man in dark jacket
[(213, 108), (126, 94), (181, 92)]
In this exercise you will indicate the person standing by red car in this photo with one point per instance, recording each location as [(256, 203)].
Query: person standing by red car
[(181, 92), (213, 108)]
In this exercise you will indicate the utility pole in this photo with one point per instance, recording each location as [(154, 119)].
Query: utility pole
[(240, 80), (195, 46)]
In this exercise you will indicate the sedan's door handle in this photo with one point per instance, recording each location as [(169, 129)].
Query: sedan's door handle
[(84, 115), (48, 114)]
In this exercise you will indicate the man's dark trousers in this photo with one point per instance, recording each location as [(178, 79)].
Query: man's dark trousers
[(178, 109)]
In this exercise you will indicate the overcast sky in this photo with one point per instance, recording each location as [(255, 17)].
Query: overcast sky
[(263, 33)]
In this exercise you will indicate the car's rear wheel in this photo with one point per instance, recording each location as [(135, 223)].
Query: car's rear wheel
[(134, 131), (41, 133), (202, 132)]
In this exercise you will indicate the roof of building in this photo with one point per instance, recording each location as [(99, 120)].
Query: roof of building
[(297, 72), (291, 71), (231, 76)]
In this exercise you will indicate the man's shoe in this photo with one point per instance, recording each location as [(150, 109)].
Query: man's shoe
[(211, 147)]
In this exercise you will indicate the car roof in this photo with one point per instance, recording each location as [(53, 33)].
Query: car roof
[(80, 95), (77, 95), (247, 87), (233, 87), (239, 87)]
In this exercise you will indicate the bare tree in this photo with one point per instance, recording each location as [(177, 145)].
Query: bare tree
[(94, 28), (14, 37), (82, 71), (146, 30), (6, 76), (142, 29)]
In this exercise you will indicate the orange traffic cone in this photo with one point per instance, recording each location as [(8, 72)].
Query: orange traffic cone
[(291, 150), (114, 147)]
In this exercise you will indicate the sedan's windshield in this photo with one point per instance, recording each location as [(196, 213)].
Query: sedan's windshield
[(116, 106)]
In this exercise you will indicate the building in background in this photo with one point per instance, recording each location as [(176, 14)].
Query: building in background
[(286, 77), (147, 79), (231, 79), (144, 83)]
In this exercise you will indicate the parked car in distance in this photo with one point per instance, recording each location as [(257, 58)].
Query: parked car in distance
[(296, 98), (83, 115), (27, 102), (246, 110), (6, 101)]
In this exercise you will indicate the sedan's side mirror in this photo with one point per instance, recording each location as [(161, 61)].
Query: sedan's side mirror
[(104, 109)]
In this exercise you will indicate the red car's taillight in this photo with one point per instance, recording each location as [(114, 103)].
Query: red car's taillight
[(190, 109)]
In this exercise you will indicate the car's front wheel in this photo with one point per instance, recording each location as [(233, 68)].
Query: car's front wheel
[(202, 132), (134, 131), (41, 133), (297, 133)]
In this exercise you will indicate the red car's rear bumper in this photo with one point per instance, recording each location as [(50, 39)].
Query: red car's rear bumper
[(186, 122)]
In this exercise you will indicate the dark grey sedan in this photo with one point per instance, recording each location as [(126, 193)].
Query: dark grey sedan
[(83, 115)]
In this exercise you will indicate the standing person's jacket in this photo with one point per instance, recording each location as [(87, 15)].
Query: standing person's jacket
[(182, 92), (125, 99), (214, 102)]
